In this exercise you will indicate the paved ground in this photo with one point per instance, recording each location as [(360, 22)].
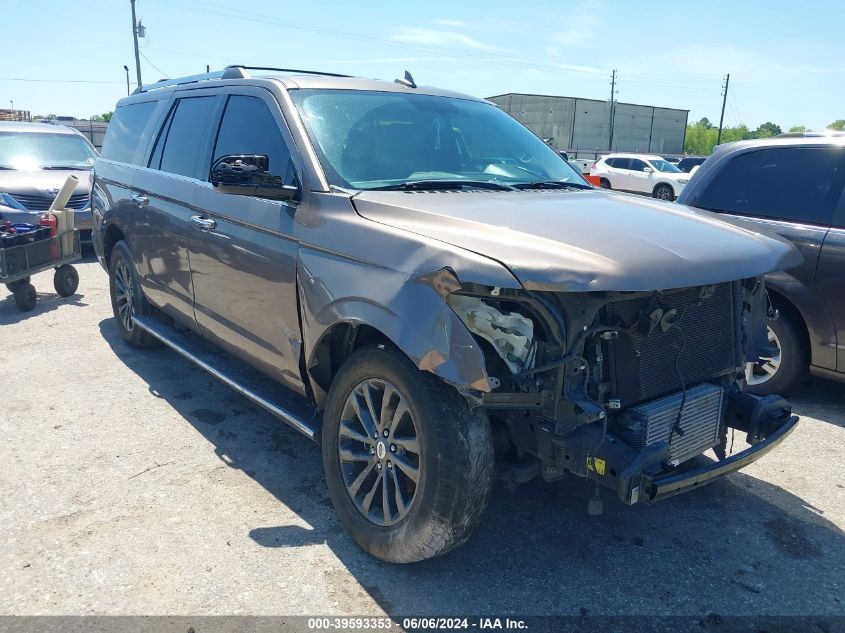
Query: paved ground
[(133, 483)]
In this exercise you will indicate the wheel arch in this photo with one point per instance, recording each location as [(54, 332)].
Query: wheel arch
[(112, 236), (783, 304), (450, 353), (668, 184)]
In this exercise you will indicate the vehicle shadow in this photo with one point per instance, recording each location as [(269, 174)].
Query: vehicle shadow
[(738, 546)]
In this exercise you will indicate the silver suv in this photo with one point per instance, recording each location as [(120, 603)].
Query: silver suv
[(412, 278), (35, 161)]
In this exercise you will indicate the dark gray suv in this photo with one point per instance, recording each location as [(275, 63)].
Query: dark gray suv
[(415, 280), (793, 186)]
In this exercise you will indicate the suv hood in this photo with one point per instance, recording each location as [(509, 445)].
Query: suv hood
[(584, 240), (39, 181)]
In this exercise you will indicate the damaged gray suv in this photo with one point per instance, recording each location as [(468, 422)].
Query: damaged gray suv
[(415, 280)]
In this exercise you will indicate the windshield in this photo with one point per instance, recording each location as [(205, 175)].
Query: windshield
[(370, 140), (37, 150), (665, 166)]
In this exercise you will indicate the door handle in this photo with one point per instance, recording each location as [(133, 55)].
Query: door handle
[(141, 201), (205, 224)]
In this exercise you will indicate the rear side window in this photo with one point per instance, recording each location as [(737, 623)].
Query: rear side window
[(248, 127), (622, 163), (124, 132), (610, 162), (799, 184), (184, 137)]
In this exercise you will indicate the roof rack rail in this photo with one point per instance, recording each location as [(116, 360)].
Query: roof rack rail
[(234, 71), (164, 83), (285, 70)]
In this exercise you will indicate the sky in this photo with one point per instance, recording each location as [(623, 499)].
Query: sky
[(786, 60)]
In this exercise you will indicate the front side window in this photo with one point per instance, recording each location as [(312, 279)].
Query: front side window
[(368, 140), (665, 166), (125, 129), (43, 150), (248, 127), (799, 184), (183, 137), (637, 164)]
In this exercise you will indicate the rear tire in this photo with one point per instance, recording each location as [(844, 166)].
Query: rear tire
[(25, 297), (127, 299), (604, 183), (436, 496), (664, 192), (779, 374), (66, 280)]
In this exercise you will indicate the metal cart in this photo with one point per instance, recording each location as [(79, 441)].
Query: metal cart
[(18, 264)]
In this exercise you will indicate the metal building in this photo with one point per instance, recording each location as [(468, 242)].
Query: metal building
[(582, 126)]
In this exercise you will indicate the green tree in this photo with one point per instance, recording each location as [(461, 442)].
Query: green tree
[(767, 130), (798, 128), (705, 123), (838, 124)]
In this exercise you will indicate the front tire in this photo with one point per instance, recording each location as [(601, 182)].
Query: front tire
[(408, 463), (25, 297), (126, 297), (664, 192), (779, 373)]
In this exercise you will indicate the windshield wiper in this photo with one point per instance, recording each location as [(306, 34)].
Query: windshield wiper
[(422, 185), (551, 184), (66, 167)]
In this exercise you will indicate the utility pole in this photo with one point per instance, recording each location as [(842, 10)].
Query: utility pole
[(724, 99), (610, 114), (135, 39)]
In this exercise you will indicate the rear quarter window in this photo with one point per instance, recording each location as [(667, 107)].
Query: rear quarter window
[(797, 184), (123, 135)]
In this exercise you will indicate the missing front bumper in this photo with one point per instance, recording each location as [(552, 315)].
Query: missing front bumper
[(644, 476)]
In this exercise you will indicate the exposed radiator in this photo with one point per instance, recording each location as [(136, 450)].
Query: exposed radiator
[(700, 422), (642, 367)]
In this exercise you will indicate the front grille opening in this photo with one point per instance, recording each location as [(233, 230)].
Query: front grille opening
[(643, 366)]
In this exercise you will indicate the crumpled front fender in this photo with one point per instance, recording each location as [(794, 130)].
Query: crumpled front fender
[(410, 311)]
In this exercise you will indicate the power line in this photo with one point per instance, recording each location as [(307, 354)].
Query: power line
[(59, 81), (147, 59)]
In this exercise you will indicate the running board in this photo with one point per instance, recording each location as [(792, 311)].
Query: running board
[(266, 393)]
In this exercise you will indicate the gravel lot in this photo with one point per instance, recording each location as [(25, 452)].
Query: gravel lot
[(134, 483)]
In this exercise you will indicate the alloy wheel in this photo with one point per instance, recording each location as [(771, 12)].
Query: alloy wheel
[(124, 299), (664, 193), (379, 451), (767, 367)]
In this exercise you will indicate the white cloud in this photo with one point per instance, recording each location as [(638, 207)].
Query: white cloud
[(436, 37)]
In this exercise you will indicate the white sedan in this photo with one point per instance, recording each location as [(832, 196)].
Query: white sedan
[(640, 173)]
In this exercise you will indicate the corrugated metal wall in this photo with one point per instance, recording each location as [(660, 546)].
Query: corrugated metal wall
[(583, 124)]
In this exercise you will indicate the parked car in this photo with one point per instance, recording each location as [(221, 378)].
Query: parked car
[(412, 278), (794, 187), (35, 161), (640, 173), (688, 163)]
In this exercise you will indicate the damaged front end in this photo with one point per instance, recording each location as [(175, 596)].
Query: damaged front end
[(624, 387)]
